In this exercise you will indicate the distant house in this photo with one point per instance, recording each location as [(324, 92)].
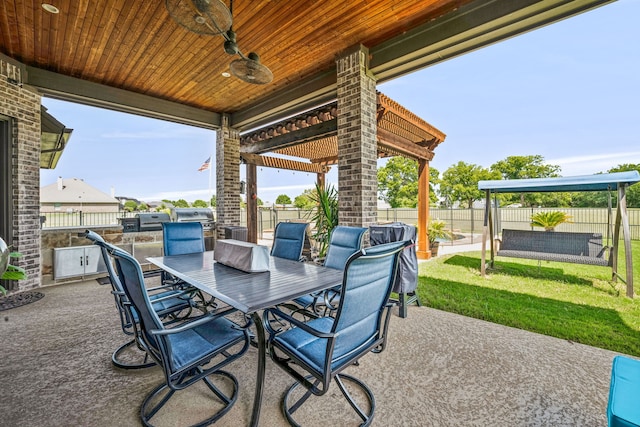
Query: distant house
[(71, 195)]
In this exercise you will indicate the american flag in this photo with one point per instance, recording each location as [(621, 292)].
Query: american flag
[(206, 165)]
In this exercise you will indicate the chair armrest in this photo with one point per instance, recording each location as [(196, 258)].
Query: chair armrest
[(277, 313), (192, 324), (170, 296)]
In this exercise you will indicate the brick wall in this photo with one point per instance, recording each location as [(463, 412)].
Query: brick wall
[(357, 145), (23, 106), (227, 176)]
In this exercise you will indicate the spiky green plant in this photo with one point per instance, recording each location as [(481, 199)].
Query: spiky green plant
[(325, 216), (437, 229), (549, 220)]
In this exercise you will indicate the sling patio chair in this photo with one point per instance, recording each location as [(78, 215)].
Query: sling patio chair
[(168, 303), (189, 352), (180, 238), (288, 240), (318, 351), (344, 242)]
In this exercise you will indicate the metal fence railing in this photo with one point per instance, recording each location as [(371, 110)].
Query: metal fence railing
[(465, 221)]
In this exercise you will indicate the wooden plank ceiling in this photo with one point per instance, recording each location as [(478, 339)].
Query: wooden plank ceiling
[(136, 46), (313, 136)]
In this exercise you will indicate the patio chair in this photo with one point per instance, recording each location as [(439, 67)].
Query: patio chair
[(288, 240), (180, 238), (188, 353), (344, 242), (168, 303), (318, 351)]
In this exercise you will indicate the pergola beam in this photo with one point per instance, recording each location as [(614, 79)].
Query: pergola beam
[(310, 133), (400, 145), (279, 163)]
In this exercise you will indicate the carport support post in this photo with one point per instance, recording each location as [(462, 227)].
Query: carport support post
[(227, 176), (357, 142)]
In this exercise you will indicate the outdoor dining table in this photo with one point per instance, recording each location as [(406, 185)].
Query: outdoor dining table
[(251, 292)]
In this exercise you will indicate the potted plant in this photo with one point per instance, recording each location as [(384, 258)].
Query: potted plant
[(8, 271), (549, 220), (437, 230)]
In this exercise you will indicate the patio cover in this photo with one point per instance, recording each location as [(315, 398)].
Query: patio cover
[(599, 182)]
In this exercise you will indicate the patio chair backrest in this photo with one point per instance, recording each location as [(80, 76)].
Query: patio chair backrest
[(288, 240), (181, 238), (368, 279), (132, 279), (116, 284), (344, 242)]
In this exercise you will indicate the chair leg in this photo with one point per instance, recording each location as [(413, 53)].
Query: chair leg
[(118, 362), (147, 412), (366, 417)]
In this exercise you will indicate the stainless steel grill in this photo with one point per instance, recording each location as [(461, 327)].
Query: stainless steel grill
[(152, 221), (202, 215)]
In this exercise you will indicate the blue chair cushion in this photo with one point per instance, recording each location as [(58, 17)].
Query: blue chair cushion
[(623, 409), (288, 240), (311, 349), (345, 240), (187, 347), (182, 238)]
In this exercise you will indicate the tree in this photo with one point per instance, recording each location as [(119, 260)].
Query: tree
[(398, 183), (199, 204), (214, 201), (524, 167), (633, 192), (130, 205), (181, 203), (306, 199), (283, 199), (599, 199), (460, 183), (142, 207)]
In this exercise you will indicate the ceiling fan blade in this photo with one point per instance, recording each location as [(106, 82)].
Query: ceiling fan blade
[(210, 17)]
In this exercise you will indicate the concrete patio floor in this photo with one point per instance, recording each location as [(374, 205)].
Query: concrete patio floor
[(439, 369)]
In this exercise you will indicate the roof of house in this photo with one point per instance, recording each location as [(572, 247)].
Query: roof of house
[(73, 190)]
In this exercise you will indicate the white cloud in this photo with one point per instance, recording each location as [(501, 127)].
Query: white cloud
[(590, 164)]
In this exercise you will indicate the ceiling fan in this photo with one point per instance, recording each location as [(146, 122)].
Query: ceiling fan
[(212, 17)]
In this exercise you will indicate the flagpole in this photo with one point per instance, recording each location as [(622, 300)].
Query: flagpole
[(210, 173)]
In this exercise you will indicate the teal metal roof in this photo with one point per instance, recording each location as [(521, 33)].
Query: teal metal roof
[(599, 182)]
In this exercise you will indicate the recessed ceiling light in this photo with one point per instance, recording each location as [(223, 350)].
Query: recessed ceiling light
[(50, 8), (226, 74)]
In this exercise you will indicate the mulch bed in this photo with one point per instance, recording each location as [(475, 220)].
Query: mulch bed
[(19, 299)]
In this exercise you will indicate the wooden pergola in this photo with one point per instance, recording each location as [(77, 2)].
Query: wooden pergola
[(312, 138)]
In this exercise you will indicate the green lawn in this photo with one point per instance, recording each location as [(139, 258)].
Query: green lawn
[(570, 301)]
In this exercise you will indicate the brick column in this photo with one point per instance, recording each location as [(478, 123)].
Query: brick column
[(22, 107), (357, 144), (227, 176)]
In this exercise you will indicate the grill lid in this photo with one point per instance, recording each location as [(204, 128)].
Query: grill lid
[(152, 220), (191, 214)]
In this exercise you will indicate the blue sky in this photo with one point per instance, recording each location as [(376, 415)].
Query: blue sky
[(569, 92)]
